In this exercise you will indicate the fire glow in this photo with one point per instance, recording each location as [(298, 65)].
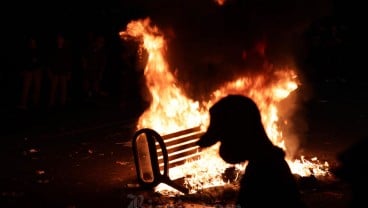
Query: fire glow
[(171, 110)]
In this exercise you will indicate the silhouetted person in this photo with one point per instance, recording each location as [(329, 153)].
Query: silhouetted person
[(255, 57), (141, 59), (235, 121), (31, 74), (134, 58), (60, 72), (94, 65), (353, 169)]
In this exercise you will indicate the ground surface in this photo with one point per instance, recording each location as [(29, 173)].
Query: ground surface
[(83, 158)]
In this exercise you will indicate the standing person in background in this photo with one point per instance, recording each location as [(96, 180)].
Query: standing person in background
[(94, 65), (141, 61), (60, 68), (134, 56), (255, 57), (31, 73)]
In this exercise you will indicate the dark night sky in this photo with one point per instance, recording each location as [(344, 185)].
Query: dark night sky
[(200, 25), (42, 16), (178, 13), (206, 32), (192, 20), (203, 30)]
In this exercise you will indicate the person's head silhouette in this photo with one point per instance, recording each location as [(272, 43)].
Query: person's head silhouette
[(235, 122), (232, 117)]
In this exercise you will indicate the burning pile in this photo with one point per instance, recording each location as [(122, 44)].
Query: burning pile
[(171, 110)]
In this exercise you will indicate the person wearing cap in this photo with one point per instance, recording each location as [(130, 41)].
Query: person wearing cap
[(235, 122)]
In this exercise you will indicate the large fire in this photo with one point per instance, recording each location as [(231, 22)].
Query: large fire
[(171, 110)]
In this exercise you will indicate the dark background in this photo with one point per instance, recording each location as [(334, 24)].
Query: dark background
[(81, 149), (323, 38)]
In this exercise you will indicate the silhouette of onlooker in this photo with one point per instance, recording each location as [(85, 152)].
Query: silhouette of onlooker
[(353, 169), (31, 74), (255, 57), (94, 65), (235, 121), (60, 69), (141, 58), (135, 57)]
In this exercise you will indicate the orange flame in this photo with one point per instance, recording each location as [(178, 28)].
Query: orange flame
[(267, 92), (171, 110)]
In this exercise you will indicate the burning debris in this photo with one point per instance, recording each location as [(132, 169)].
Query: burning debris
[(171, 111), (231, 174)]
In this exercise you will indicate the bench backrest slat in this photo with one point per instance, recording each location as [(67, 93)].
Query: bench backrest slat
[(181, 146)]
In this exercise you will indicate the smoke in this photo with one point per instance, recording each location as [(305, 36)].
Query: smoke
[(206, 40)]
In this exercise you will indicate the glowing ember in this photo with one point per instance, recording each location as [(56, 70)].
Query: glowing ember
[(171, 110), (220, 2)]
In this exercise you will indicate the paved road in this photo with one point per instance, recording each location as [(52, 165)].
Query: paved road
[(70, 158)]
